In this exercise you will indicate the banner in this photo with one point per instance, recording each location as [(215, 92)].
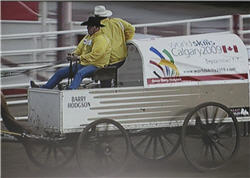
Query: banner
[(196, 58)]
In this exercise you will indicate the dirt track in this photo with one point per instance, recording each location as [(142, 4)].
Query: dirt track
[(16, 164)]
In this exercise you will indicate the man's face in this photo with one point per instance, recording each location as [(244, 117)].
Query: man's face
[(91, 29)]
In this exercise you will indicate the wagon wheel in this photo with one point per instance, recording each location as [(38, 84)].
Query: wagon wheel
[(210, 136), (50, 153), (103, 148), (155, 144)]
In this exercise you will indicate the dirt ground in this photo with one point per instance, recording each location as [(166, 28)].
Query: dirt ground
[(16, 164)]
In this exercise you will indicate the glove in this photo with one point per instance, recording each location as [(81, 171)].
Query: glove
[(75, 58), (72, 57), (69, 56)]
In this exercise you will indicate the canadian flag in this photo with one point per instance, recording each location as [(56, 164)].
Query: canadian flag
[(229, 48)]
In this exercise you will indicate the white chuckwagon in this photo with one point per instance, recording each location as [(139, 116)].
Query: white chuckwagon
[(188, 90)]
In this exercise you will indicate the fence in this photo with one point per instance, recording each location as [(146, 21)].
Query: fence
[(188, 28)]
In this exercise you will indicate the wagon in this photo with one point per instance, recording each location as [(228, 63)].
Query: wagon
[(188, 90)]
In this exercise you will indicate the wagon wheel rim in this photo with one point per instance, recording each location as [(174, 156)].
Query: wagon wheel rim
[(50, 154), (155, 144), (210, 136), (100, 151)]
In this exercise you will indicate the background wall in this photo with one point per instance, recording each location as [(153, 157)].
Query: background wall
[(16, 11)]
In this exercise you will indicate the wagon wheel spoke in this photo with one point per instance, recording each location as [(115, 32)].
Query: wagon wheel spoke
[(162, 146), (215, 115), (48, 154), (223, 146), (221, 121), (111, 138), (62, 151), (218, 151), (106, 136), (202, 152), (55, 152), (155, 146), (44, 148), (113, 155), (109, 163), (205, 113), (223, 128), (206, 151), (199, 126), (142, 141), (104, 161), (105, 130), (147, 146), (212, 151), (168, 140), (113, 159)]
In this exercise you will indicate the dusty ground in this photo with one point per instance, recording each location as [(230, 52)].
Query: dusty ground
[(16, 164)]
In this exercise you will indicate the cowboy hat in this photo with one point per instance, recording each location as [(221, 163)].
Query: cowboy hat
[(92, 21), (101, 11)]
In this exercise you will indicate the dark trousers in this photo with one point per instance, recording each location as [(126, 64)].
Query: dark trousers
[(107, 83)]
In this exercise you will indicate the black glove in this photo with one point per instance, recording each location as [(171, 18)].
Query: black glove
[(75, 58), (72, 57), (69, 56)]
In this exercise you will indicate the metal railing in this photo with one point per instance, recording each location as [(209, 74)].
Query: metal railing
[(242, 32), (188, 23), (145, 27), (28, 51)]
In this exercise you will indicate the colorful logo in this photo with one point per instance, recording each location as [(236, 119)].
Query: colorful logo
[(167, 67)]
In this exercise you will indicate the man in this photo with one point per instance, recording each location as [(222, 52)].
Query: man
[(93, 52), (119, 32)]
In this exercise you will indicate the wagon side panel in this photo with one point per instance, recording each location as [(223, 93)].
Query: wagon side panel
[(44, 109)]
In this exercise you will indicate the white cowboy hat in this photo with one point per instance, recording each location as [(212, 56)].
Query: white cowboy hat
[(102, 11)]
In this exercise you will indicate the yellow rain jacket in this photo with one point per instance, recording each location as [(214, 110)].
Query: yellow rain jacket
[(94, 50), (119, 32)]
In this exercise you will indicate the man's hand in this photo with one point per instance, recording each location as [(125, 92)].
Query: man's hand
[(69, 56), (72, 57), (75, 58)]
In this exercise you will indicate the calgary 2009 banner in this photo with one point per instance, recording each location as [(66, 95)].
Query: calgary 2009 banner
[(186, 60)]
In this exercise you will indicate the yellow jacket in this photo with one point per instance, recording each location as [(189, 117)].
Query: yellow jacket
[(94, 50), (119, 32)]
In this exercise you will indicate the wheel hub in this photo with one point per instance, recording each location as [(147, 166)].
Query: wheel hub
[(107, 150), (103, 149), (210, 137)]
